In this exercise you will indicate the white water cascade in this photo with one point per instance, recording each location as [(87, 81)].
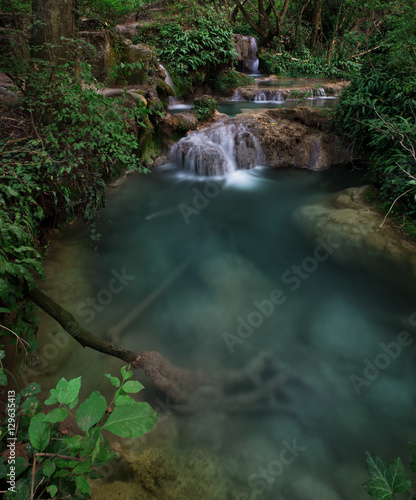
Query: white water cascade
[(172, 101), (217, 150), (269, 96)]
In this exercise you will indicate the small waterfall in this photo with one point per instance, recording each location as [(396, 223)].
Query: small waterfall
[(217, 150), (253, 63), (246, 47), (172, 101), (319, 92), (269, 96)]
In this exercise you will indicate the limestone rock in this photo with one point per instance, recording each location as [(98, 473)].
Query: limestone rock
[(349, 219)]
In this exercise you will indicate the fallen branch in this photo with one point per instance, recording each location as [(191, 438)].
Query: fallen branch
[(260, 386)]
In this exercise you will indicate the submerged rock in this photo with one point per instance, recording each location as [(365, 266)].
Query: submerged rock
[(350, 220)]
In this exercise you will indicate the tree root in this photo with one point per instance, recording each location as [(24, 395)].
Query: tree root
[(260, 386)]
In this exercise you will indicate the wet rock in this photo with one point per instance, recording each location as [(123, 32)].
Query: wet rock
[(349, 219)]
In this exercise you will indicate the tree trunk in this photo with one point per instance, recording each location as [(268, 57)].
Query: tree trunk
[(315, 24), (53, 20)]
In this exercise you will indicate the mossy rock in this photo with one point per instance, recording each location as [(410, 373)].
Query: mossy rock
[(163, 88), (204, 107), (226, 81)]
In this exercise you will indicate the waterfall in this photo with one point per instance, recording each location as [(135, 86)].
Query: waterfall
[(217, 150), (172, 101), (320, 92), (246, 47), (269, 96), (254, 62)]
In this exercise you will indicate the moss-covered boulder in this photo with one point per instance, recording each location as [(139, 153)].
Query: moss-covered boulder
[(225, 82), (204, 107)]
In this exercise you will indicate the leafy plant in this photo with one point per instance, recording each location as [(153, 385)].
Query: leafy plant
[(387, 480), (204, 107), (60, 464)]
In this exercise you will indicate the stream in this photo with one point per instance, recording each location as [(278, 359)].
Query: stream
[(330, 327)]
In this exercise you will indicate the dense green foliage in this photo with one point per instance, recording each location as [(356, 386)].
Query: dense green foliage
[(60, 464), (204, 107), (300, 64), (194, 44), (378, 111), (227, 80), (73, 142)]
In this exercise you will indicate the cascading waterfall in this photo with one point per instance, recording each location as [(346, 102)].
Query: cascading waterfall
[(253, 63), (172, 101), (269, 96), (217, 150)]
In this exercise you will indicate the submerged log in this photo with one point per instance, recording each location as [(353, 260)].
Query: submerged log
[(259, 386)]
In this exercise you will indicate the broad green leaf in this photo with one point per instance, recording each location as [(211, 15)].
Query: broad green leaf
[(70, 392), (83, 467), (32, 389), (53, 397), (56, 415), (31, 406), (82, 484), (39, 432), (61, 473), (3, 377), (385, 480), (123, 400), (114, 380), (49, 468), (126, 373), (131, 420), (132, 386), (91, 411), (21, 465), (2, 354), (96, 449), (52, 490)]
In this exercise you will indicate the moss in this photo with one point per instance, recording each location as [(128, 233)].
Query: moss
[(152, 469), (226, 81), (204, 107)]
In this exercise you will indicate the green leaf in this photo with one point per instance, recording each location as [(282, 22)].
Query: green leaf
[(126, 373), (31, 406), (39, 432), (49, 468), (53, 397), (21, 492), (32, 389), (61, 473), (69, 392), (2, 354), (385, 480), (52, 490), (56, 415), (3, 377), (114, 380), (131, 420), (21, 465), (82, 484), (83, 468), (123, 400), (132, 386), (91, 411)]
